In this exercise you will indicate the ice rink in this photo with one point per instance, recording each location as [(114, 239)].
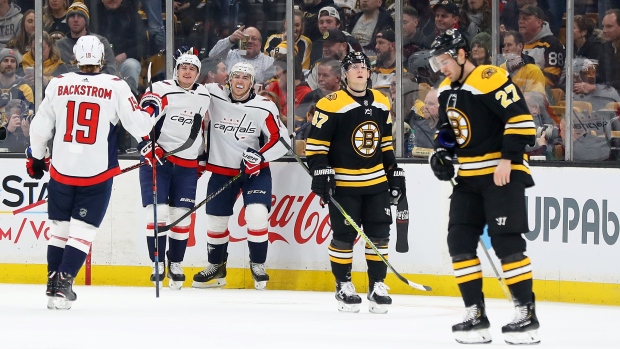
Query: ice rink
[(125, 317)]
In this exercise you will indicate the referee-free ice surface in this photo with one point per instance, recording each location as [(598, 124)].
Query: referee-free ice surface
[(131, 317)]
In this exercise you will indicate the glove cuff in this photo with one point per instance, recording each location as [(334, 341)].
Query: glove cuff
[(325, 171)]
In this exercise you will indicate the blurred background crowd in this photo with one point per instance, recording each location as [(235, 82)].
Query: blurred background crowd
[(531, 41)]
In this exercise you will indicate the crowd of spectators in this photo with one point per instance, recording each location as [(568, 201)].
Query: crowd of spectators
[(532, 51)]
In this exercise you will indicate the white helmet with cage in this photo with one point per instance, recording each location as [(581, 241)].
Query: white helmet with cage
[(245, 68), (88, 50), (186, 58)]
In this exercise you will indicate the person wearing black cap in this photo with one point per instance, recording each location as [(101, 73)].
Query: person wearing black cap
[(447, 16), (351, 159), (540, 44), (385, 65), (485, 122), (329, 18), (334, 47)]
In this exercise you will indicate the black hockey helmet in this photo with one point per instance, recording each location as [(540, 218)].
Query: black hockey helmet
[(449, 42), (354, 57)]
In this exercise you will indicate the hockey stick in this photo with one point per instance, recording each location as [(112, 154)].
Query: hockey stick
[(202, 203), (154, 187), (358, 229)]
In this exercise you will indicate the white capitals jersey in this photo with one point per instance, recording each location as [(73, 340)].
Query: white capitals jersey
[(85, 109), (175, 121), (235, 127)]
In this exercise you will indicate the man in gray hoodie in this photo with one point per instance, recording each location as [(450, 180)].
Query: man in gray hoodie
[(10, 16)]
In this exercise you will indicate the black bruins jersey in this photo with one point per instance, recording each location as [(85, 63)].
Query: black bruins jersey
[(353, 135), (490, 120)]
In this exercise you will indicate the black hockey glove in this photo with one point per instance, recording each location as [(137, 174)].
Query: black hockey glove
[(36, 167), (441, 163), (324, 183), (396, 181)]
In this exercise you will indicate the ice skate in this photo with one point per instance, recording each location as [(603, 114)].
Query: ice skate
[(52, 278), (474, 328), (214, 275), (523, 329), (64, 295), (348, 300), (378, 297), (175, 275), (162, 273), (259, 274)]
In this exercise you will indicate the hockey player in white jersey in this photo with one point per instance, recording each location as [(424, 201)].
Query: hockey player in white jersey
[(177, 174), (243, 135), (84, 108)]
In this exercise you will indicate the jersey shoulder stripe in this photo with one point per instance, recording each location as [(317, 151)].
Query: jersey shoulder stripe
[(337, 102), (380, 100), (485, 79)]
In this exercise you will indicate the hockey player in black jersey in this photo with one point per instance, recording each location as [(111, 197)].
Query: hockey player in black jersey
[(351, 158), (485, 122)]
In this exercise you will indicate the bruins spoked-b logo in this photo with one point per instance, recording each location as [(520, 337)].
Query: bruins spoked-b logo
[(366, 139), (460, 125)]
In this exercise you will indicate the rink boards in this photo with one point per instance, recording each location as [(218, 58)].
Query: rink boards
[(574, 217)]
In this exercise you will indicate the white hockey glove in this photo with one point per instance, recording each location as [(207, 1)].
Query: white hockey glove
[(153, 104), (147, 152)]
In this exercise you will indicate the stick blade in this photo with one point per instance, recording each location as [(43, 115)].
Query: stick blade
[(418, 286)]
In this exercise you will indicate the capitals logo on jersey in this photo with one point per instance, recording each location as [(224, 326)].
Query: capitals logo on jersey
[(239, 127)]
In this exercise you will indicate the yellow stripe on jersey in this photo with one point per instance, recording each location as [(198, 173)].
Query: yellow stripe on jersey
[(318, 142), (520, 118), (486, 164), (316, 147), (489, 156), (360, 183), (520, 131), (337, 102)]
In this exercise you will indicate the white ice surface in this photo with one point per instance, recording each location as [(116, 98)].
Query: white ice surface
[(125, 317)]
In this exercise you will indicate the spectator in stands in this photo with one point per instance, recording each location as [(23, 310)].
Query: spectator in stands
[(213, 70), (10, 15), (447, 17), (587, 45), (155, 24), (365, 25), (11, 84), (276, 100), (610, 64), (262, 63), (21, 41), (52, 63), (587, 146), (303, 45), (280, 88), (311, 10), (510, 14), (481, 49), (521, 67), (475, 17), (587, 89), (385, 65), (119, 21), (78, 19), (329, 74), (55, 18), (547, 50), (334, 47), (413, 39), (329, 18), (424, 126), (536, 104), (348, 8), (426, 18), (17, 127)]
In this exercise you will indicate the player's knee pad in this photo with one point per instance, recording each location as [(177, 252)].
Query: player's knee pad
[(380, 243), (81, 235), (463, 257), (162, 213), (463, 239), (218, 224), (181, 230), (506, 245), (256, 216), (59, 233), (377, 231)]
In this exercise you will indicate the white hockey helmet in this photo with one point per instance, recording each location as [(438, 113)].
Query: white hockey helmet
[(88, 50), (186, 58), (245, 68)]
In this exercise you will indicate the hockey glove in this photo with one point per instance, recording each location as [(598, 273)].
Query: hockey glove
[(441, 163), (146, 150), (396, 181), (36, 167), (153, 104), (324, 183), (250, 163)]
